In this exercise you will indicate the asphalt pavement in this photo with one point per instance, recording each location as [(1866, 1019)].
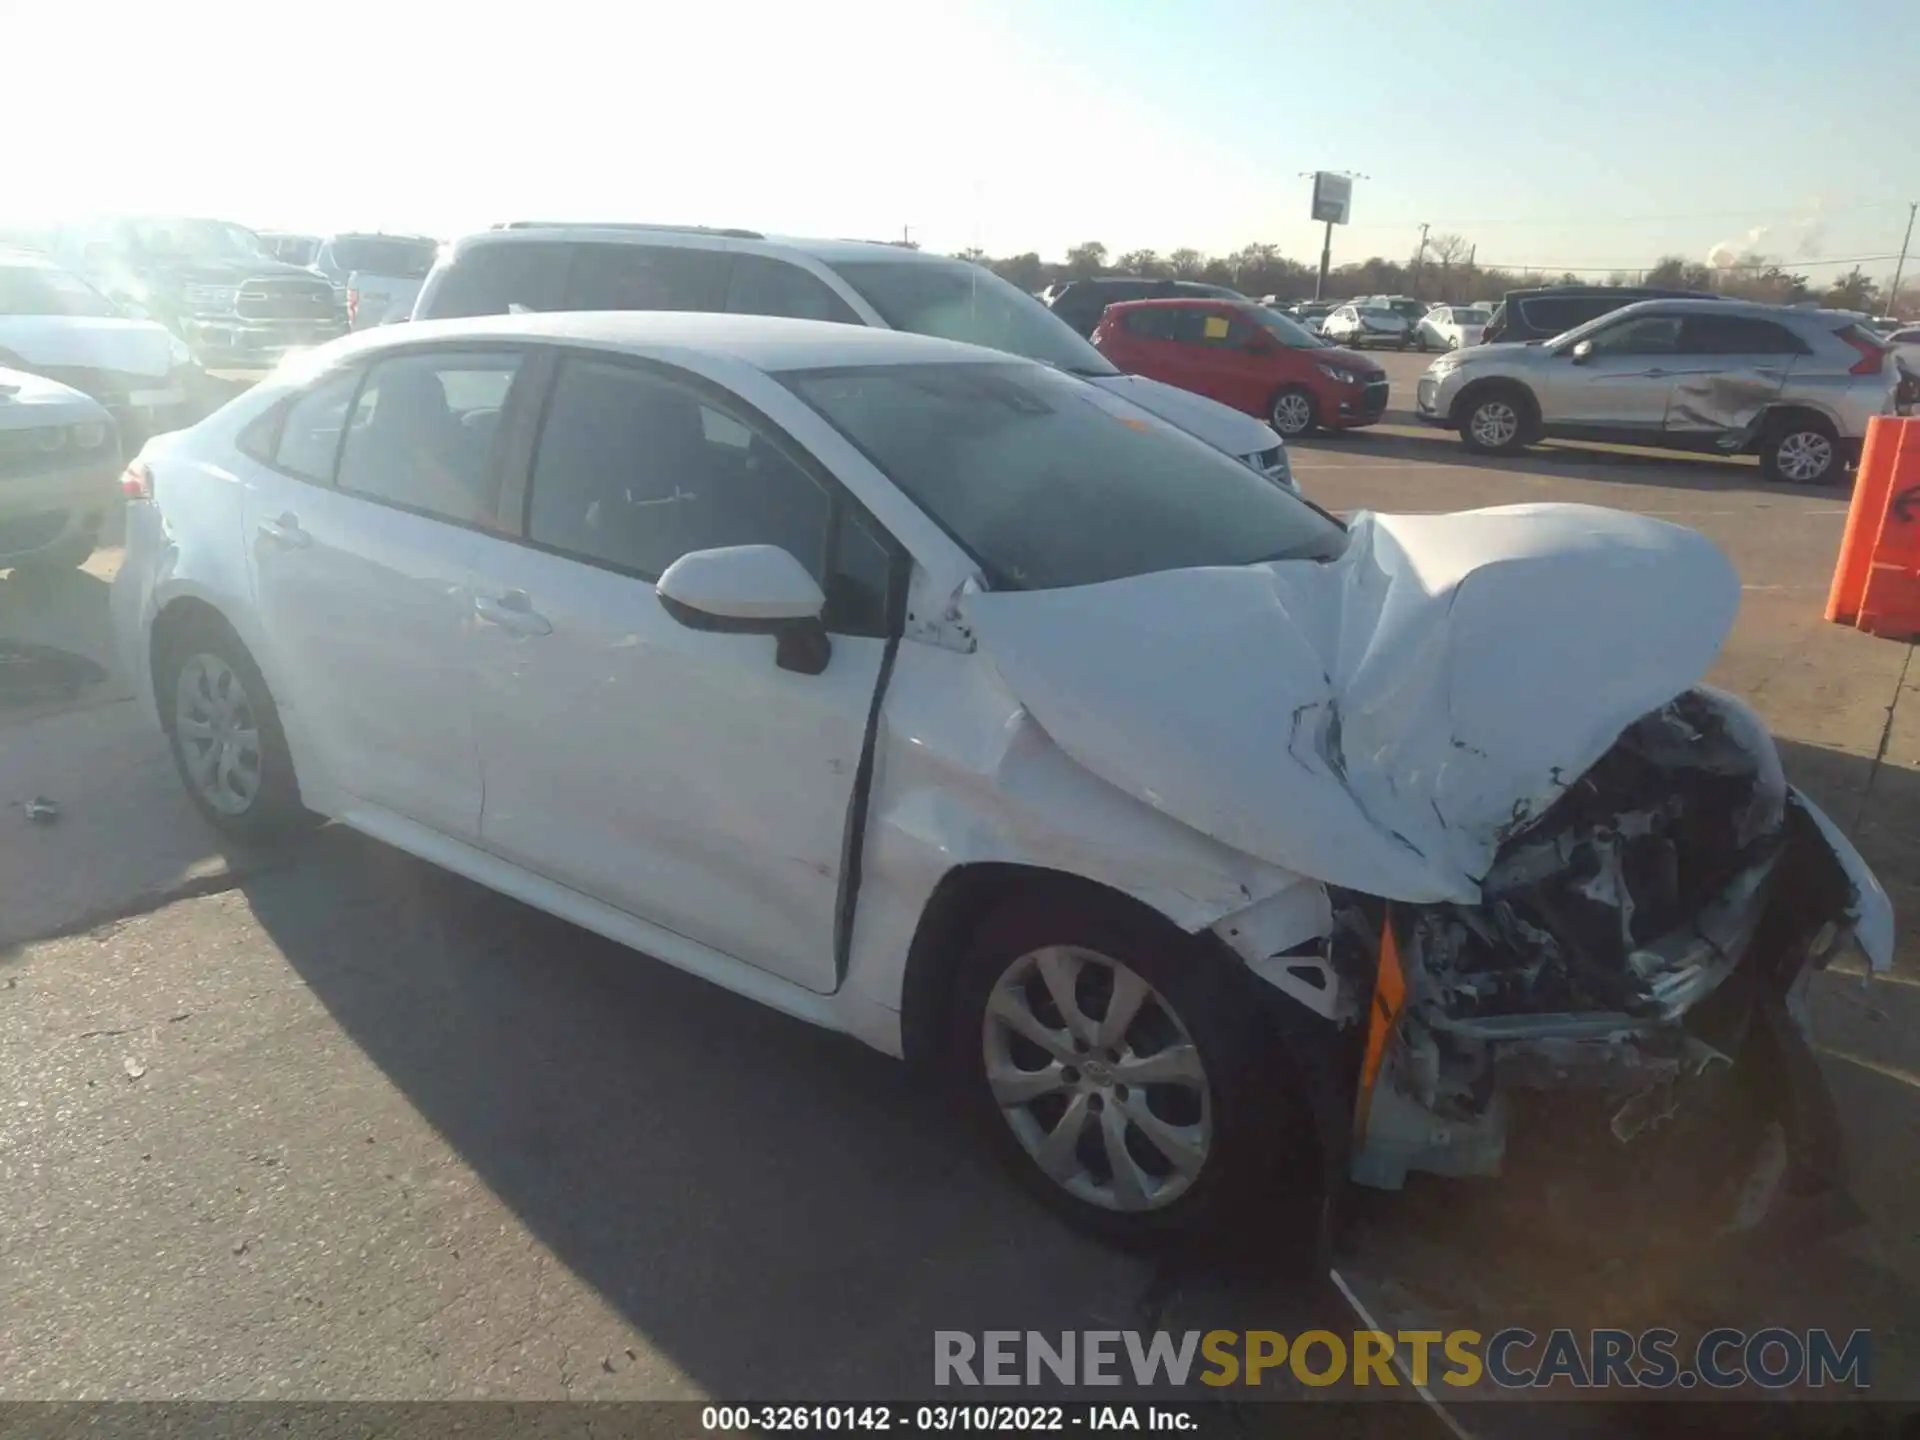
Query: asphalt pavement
[(328, 1123)]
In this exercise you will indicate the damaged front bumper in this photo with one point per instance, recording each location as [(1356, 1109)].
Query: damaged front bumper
[(1629, 990)]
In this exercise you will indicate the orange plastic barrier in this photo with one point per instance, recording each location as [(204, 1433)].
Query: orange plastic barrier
[(1876, 584)]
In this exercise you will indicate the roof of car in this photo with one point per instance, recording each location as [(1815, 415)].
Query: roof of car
[(761, 341), (533, 232), (1180, 302), (1717, 306)]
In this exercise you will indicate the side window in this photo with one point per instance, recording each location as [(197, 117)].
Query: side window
[(422, 434), (260, 435), (1215, 329), (1150, 322), (499, 279), (763, 286), (310, 436), (1643, 335), (647, 277), (1738, 335)]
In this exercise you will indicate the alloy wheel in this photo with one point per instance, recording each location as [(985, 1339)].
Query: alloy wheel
[(218, 732), (1098, 1078), (1292, 414), (1804, 456), (1495, 423)]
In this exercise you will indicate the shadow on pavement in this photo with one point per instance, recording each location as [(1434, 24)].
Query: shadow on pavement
[(779, 1209)]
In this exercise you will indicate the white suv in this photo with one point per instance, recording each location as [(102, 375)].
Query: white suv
[(535, 266)]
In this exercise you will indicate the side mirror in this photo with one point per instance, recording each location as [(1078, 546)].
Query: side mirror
[(751, 590), (1582, 352)]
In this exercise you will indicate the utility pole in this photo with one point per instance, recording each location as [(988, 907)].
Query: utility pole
[(1893, 296), (1419, 256)]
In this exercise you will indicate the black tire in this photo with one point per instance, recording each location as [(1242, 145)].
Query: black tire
[(1791, 441), (1479, 431), (1288, 397), (1261, 1144), (274, 808)]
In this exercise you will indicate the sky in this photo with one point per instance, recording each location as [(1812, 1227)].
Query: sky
[(1547, 133)]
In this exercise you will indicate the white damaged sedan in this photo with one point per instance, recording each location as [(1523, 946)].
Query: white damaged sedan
[(1208, 846)]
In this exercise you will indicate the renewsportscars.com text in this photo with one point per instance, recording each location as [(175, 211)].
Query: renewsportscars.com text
[(1723, 1359)]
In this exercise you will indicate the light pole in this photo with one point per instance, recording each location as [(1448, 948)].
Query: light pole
[(1419, 257), (1893, 295)]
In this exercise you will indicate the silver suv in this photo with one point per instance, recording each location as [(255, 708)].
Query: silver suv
[(1794, 386)]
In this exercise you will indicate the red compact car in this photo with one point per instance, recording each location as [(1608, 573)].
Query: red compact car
[(1246, 356)]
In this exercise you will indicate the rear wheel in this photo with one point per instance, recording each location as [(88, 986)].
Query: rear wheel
[(1293, 412), (1495, 421), (1119, 1075), (1801, 450), (225, 734)]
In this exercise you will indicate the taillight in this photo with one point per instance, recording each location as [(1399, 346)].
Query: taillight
[(353, 306), (136, 481), (1873, 355)]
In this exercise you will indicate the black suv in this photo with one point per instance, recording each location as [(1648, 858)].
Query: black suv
[(1542, 314), (1082, 302)]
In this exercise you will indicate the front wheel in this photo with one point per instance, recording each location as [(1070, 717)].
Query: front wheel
[(1121, 1075), (1494, 424), (1801, 451), (1293, 413)]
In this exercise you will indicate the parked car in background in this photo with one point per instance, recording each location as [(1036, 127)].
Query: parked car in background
[(1905, 340), (59, 468), (1794, 386), (1405, 306), (54, 324), (1526, 315), (1449, 327), (1081, 302), (1247, 356), (1361, 325), (525, 266), (1211, 852), (1311, 313), (292, 248), (379, 275), (210, 282)]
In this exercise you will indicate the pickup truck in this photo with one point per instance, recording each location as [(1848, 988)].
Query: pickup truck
[(378, 275), (210, 282)]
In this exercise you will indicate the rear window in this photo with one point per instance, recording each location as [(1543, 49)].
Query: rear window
[(385, 255), (648, 277), (498, 280), (1151, 322)]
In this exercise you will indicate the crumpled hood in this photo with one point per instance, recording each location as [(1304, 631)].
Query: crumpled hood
[(1223, 428), (127, 347), (1384, 721)]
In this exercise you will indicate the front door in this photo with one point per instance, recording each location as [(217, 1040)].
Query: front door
[(1622, 385), (362, 545), (680, 775)]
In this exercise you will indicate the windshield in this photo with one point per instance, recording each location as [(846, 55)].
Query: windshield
[(1287, 330), (37, 290), (1376, 312), (1464, 316), (958, 301), (197, 239), (385, 255), (1047, 482)]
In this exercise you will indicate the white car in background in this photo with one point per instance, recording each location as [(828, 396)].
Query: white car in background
[(1450, 327), (1211, 849), (55, 324), (59, 463), (1363, 325), (1905, 340)]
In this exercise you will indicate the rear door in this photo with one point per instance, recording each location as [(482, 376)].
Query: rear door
[(363, 533), (1213, 341), (1731, 368), (677, 774), (1141, 342)]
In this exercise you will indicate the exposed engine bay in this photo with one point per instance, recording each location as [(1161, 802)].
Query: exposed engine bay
[(1642, 945)]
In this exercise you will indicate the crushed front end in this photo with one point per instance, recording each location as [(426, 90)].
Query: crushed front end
[(1629, 988)]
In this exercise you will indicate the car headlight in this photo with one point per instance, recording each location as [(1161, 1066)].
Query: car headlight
[(1335, 372), (90, 435), (210, 297), (49, 440)]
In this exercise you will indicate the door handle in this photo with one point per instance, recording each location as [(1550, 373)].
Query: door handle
[(1657, 373), (513, 612), (286, 532)]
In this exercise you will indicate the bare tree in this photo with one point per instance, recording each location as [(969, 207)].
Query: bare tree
[(1187, 263), (1447, 250), (1141, 262), (1087, 258)]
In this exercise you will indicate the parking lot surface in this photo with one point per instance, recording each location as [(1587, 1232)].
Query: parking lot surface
[(330, 1123)]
